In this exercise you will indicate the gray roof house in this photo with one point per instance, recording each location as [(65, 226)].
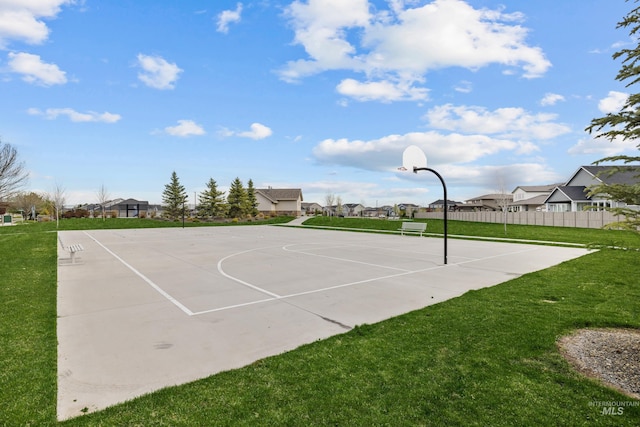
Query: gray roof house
[(279, 201), (531, 197), (573, 195)]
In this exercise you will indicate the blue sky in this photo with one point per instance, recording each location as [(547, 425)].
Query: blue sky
[(322, 95)]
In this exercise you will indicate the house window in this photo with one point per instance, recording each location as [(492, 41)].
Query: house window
[(559, 207)]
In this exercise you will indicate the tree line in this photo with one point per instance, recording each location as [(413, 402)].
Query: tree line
[(241, 202)]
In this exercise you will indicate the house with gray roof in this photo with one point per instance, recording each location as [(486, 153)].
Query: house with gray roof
[(573, 196), (531, 197), (279, 201)]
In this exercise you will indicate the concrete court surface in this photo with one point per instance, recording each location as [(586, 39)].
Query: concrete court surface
[(143, 309)]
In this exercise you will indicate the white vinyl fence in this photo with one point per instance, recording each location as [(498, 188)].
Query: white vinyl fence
[(585, 219)]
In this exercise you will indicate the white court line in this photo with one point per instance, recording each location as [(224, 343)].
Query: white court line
[(286, 249), (242, 282), (470, 260), (143, 277), (282, 297)]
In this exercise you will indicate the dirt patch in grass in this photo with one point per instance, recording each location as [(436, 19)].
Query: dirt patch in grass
[(609, 355)]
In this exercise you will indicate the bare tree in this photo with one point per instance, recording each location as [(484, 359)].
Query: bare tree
[(504, 200), (339, 207), (57, 198), (103, 198), (328, 201), (12, 172)]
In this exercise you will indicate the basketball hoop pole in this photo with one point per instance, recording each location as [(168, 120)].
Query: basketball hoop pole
[(444, 187)]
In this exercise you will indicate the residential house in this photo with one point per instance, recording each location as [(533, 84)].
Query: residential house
[(487, 202), (353, 209), (378, 212), (120, 208), (531, 197), (334, 210), (310, 208), (439, 205), (279, 201), (573, 196), (408, 208), (129, 208)]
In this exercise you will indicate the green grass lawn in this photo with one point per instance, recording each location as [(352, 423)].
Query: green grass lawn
[(488, 357), (586, 236)]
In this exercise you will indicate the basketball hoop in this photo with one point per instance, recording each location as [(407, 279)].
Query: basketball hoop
[(414, 159)]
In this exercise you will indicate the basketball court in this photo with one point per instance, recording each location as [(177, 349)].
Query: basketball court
[(143, 309)]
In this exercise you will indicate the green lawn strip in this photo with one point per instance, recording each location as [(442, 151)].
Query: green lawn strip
[(28, 329), (486, 358), (124, 223), (585, 236)]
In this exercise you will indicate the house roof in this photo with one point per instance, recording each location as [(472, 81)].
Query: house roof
[(536, 200), (624, 175), (441, 202), (277, 194), (536, 188), (495, 196), (571, 193)]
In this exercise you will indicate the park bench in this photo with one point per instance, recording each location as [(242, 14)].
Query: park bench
[(73, 249), (413, 227)]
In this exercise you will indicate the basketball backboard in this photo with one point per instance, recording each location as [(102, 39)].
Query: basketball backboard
[(413, 157)]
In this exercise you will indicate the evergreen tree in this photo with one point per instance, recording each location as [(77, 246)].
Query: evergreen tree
[(252, 201), (623, 125), (211, 201), (174, 198), (237, 199)]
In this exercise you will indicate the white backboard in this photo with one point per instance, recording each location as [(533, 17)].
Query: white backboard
[(412, 157)]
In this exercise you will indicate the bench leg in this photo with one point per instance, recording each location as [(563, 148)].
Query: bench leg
[(73, 257)]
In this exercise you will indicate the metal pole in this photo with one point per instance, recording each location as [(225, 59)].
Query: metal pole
[(446, 208)]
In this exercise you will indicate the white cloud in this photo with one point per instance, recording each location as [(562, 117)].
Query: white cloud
[(257, 131), (185, 128), (492, 177), (157, 72), (22, 19), (506, 122), (34, 70), (384, 91), (603, 147), (613, 103), (464, 86), (228, 17), (75, 116), (385, 154), (404, 43), (551, 99)]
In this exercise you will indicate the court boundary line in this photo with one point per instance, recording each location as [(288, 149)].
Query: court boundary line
[(143, 277)]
